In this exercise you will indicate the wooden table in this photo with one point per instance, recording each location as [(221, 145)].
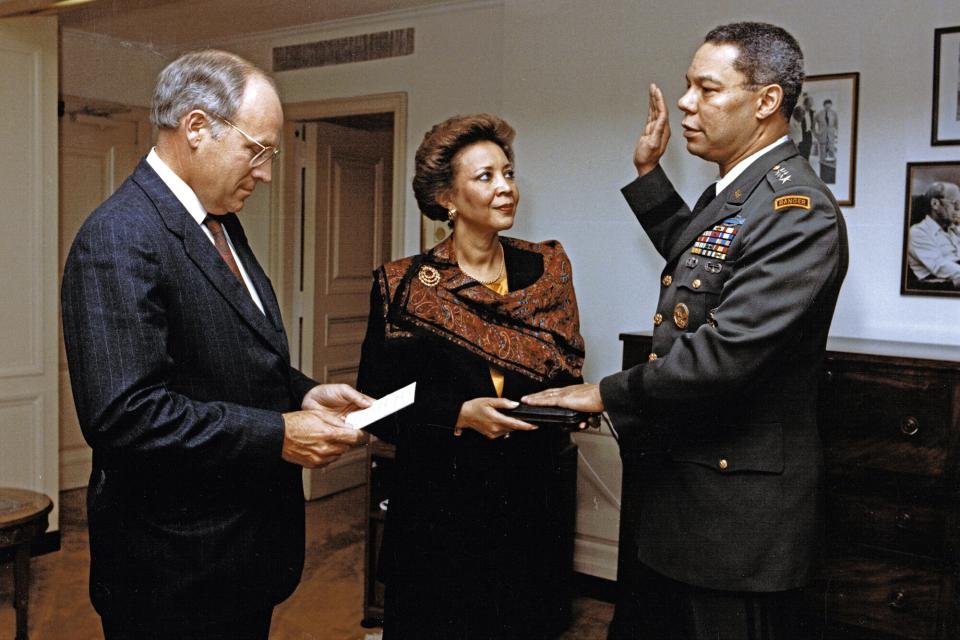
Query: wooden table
[(23, 516)]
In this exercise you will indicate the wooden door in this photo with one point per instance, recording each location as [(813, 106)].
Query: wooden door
[(100, 144), (28, 256), (345, 187), (351, 239)]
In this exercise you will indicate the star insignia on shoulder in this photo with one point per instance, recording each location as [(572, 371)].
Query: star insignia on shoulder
[(785, 179)]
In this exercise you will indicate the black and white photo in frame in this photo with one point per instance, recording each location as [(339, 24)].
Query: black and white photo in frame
[(931, 230), (824, 127)]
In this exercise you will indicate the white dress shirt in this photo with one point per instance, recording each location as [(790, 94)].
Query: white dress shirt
[(933, 252), (740, 167)]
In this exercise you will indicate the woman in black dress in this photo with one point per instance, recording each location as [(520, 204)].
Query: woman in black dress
[(471, 547)]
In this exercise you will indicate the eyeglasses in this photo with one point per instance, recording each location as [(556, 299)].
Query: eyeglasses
[(265, 153)]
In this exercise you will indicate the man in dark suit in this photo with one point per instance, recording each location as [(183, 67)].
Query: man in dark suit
[(181, 375), (722, 462)]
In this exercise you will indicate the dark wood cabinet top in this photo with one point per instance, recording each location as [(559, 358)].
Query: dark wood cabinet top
[(860, 346)]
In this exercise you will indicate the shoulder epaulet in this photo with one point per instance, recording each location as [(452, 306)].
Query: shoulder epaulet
[(781, 177)]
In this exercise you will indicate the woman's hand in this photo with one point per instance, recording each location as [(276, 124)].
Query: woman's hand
[(481, 415)]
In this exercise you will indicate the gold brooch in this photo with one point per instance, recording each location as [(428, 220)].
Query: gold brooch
[(429, 276)]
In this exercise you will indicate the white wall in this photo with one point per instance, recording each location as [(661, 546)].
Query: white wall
[(102, 68)]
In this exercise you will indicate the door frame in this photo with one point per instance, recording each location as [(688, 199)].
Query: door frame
[(286, 235), (283, 231)]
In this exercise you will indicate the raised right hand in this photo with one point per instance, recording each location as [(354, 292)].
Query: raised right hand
[(316, 438), (652, 142)]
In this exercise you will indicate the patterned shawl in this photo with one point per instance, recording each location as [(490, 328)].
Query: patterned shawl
[(534, 331)]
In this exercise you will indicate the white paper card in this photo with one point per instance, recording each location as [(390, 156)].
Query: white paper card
[(383, 407)]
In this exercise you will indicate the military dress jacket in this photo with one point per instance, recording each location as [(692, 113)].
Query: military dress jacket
[(723, 468)]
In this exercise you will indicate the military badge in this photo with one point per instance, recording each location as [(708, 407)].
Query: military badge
[(782, 174), (681, 316), (715, 243), (787, 202)]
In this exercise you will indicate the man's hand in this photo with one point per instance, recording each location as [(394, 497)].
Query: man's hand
[(317, 438), (318, 435), (652, 142), (579, 397)]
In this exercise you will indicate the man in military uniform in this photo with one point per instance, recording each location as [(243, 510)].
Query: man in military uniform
[(722, 463)]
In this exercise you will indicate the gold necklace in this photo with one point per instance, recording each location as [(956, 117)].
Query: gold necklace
[(503, 263)]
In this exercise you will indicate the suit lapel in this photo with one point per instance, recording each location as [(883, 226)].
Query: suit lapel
[(260, 280), (203, 254), (732, 198)]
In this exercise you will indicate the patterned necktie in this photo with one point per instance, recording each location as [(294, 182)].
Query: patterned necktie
[(705, 198), (223, 248)]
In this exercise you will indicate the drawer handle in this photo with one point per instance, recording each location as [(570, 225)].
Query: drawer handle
[(903, 520), (828, 376), (898, 600), (909, 426)]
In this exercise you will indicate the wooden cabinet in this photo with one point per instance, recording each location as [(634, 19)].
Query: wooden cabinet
[(890, 425), (889, 417)]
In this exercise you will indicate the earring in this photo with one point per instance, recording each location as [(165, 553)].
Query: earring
[(452, 213)]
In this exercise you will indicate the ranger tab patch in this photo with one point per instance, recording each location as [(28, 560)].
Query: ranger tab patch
[(786, 202)]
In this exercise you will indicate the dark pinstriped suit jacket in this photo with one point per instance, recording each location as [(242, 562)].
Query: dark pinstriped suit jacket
[(179, 381)]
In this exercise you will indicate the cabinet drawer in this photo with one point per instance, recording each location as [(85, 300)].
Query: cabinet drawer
[(883, 522), (883, 596), (878, 420)]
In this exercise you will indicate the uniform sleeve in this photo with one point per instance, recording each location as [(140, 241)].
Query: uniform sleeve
[(658, 207), (115, 327), (789, 266)]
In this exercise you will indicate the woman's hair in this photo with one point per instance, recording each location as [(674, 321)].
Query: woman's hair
[(434, 160)]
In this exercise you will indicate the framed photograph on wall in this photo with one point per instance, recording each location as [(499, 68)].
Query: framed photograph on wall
[(824, 126), (931, 230), (946, 86)]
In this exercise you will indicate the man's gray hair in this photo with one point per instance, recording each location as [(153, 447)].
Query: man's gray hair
[(938, 190), (210, 80)]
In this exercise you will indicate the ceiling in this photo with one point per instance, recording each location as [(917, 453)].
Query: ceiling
[(173, 23)]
